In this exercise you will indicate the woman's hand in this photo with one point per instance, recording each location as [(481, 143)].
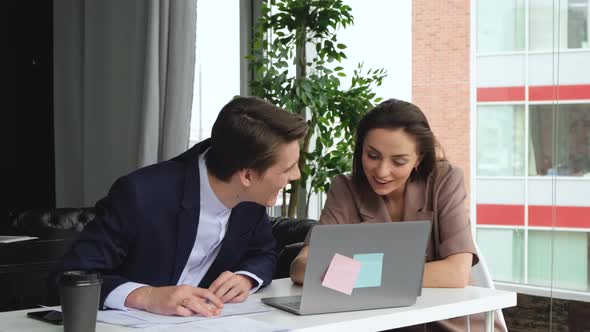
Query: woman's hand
[(297, 271)]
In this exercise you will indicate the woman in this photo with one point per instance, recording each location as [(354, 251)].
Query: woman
[(399, 175)]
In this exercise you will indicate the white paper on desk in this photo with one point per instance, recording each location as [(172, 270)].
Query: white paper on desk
[(139, 318), (224, 324), (11, 239), (116, 317)]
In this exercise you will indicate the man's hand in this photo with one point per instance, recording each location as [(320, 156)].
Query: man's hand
[(175, 300), (231, 287)]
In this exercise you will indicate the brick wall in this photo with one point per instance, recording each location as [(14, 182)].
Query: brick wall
[(440, 73)]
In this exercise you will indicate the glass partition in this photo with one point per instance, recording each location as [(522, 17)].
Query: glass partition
[(533, 149)]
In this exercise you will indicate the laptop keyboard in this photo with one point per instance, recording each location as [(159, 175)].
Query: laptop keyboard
[(293, 302)]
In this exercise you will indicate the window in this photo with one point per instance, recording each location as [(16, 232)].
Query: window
[(500, 26), (572, 130), (551, 25), (553, 193), (552, 261), (217, 64), (577, 24), (500, 140), (504, 261), (533, 143), (566, 26)]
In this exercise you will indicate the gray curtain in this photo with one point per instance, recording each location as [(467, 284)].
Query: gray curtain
[(123, 82)]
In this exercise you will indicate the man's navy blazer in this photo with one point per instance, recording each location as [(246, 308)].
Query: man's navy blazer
[(146, 227)]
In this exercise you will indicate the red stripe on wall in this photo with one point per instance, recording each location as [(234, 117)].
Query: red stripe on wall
[(562, 92), (565, 216), (510, 93), (539, 215), (536, 93), (495, 214)]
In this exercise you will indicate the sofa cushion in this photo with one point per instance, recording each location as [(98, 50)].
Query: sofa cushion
[(65, 224), (290, 230), (53, 223), (289, 234)]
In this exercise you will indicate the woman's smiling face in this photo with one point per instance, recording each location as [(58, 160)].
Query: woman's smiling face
[(388, 157)]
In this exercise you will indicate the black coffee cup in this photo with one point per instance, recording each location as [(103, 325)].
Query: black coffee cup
[(79, 292)]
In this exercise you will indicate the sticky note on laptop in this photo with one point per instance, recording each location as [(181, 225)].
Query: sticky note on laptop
[(371, 270), (342, 274)]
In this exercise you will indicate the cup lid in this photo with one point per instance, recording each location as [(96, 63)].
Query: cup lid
[(79, 277)]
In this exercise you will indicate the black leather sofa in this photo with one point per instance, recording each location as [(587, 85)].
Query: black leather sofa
[(26, 266)]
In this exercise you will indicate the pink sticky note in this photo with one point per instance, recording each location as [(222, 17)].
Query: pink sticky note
[(342, 274)]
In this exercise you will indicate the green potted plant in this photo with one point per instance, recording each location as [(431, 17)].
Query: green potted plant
[(286, 31)]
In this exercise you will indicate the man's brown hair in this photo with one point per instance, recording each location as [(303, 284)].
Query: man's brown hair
[(247, 134)]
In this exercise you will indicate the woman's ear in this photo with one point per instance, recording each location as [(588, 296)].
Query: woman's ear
[(418, 162)]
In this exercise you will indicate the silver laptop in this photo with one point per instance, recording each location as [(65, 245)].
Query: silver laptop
[(403, 249)]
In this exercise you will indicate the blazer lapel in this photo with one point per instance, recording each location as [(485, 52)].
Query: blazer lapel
[(414, 202), (186, 233), (415, 209), (187, 221), (372, 207)]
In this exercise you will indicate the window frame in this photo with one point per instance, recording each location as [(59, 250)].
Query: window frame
[(524, 287)]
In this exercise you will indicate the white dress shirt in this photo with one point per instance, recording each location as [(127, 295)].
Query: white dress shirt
[(213, 222)]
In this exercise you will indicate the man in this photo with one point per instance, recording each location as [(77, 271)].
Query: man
[(184, 236)]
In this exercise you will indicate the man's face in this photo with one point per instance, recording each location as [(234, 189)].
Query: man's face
[(265, 187)]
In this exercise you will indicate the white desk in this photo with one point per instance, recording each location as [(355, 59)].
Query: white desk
[(434, 304)]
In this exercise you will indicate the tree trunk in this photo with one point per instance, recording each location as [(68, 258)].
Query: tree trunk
[(297, 200), (284, 205)]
